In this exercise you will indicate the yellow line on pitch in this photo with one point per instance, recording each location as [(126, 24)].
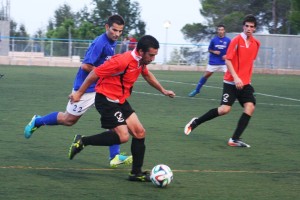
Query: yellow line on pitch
[(174, 170)]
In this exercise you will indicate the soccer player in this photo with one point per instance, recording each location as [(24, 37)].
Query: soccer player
[(217, 51), (240, 57), (132, 42), (101, 49), (116, 78)]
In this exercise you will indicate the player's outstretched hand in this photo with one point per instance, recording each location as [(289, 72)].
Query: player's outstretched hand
[(74, 97), (169, 93)]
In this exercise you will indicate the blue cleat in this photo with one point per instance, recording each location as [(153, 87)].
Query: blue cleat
[(30, 127), (193, 93)]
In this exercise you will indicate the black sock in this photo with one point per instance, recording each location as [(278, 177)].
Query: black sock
[(138, 151), (241, 126), (213, 113), (106, 138)]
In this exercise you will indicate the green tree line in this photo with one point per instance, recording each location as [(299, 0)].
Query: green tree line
[(87, 23), (274, 16)]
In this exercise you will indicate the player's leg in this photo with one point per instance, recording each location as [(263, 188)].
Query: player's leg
[(111, 121), (106, 138), (117, 158), (137, 149), (68, 118), (112, 136), (228, 98), (203, 80), (210, 69), (248, 101)]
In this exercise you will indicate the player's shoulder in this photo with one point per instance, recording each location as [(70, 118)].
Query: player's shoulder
[(215, 38), (236, 38), (227, 38), (122, 58)]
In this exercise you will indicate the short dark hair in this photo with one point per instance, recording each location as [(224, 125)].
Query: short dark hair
[(250, 18), (221, 25), (115, 19), (146, 42)]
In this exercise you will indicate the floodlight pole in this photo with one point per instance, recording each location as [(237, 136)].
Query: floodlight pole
[(167, 25)]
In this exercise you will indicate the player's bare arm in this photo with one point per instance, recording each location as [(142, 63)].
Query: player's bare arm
[(91, 78), (87, 67), (151, 79), (215, 52)]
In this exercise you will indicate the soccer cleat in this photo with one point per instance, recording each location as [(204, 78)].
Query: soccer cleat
[(119, 160), (188, 128), (193, 93), (237, 143), (76, 146), (142, 177), (30, 127)]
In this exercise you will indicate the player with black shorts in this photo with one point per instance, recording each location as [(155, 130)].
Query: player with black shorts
[(116, 78), (240, 57)]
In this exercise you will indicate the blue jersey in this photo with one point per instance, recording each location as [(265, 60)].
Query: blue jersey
[(101, 49), (218, 44)]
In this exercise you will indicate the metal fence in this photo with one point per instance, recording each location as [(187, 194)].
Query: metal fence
[(277, 51)]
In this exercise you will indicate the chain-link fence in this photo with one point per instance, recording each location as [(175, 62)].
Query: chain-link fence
[(277, 51)]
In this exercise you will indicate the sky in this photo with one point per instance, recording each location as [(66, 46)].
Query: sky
[(35, 14)]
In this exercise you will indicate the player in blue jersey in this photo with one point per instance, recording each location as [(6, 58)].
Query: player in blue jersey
[(217, 52), (101, 49)]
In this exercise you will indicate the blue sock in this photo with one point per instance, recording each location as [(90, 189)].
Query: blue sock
[(114, 150), (50, 119), (201, 82)]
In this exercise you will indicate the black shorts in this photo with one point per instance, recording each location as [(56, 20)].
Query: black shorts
[(231, 93), (112, 114)]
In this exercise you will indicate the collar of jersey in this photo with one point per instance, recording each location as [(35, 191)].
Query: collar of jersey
[(135, 55), (244, 36)]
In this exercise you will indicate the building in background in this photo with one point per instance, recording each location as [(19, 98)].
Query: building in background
[(4, 27)]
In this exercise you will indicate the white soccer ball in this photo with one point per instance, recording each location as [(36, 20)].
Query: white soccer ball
[(161, 175)]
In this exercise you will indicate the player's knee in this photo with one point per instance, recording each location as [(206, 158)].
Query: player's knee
[(67, 120), (69, 123), (223, 110), (249, 109), (124, 137), (140, 134)]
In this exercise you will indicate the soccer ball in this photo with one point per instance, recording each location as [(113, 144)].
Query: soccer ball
[(161, 175)]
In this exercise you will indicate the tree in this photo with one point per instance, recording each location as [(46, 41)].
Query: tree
[(63, 13), (294, 17), (129, 11), (63, 19), (20, 32), (276, 16), (17, 31), (87, 24), (176, 57), (87, 29)]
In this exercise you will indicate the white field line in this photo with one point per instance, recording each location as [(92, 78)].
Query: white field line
[(174, 170), (262, 94)]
